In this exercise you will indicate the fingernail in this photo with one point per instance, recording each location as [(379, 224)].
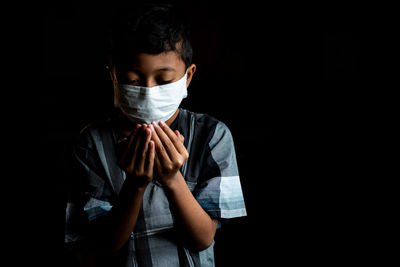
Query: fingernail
[(154, 123), (151, 127), (162, 124)]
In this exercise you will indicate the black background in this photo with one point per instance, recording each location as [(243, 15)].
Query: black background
[(282, 77)]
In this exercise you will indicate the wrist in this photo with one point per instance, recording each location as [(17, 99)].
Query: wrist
[(131, 192), (174, 182), (136, 185)]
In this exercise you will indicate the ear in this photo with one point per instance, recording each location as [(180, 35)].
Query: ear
[(113, 75), (190, 72)]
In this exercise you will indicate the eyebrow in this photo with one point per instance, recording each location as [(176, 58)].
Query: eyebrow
[(166, 69), (160, 69)]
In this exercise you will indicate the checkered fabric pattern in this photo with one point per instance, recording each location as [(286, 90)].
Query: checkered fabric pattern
[(211, 173)]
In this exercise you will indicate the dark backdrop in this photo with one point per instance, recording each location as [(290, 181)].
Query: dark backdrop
[(281, 77)]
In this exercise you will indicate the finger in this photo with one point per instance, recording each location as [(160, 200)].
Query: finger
[(120, 147), (166, 141), (123, 140), (150, 157), (179, 147), (129, 142), (157, 163), (142, 151), (178, 134), (134, 154), (159, 147)]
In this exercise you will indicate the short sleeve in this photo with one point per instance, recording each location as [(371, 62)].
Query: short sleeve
[(219, 190), (87, 192)]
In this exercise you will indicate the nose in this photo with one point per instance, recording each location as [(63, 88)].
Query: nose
[(149, 82)]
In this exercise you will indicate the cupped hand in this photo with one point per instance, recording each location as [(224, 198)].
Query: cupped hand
[(170, 152), (137, 158)]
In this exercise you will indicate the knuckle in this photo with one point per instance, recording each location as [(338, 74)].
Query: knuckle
[(169, 145), (161, 149), (176, 139), (169, 167), (138, 173), (148, 173), (128, 170), (179, 162)]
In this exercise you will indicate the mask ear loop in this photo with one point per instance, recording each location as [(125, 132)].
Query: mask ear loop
[(186, 87)]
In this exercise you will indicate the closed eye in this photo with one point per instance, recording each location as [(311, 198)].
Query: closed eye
[(164, 82), (134, 82)]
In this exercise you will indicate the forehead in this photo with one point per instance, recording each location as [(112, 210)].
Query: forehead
[(148, 63)]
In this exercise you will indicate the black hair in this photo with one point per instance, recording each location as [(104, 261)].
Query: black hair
[(151, 29)]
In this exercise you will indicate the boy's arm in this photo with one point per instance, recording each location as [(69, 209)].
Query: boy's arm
[(196, 222), (170, 156), (137, 161), (111, 232), (124, 216)]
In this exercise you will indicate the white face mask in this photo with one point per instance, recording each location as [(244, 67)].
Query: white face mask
[(148, 104)]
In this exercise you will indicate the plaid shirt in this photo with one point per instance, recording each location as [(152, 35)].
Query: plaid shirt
[(211, 174)]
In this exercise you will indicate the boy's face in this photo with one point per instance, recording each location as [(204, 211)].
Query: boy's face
[(149, 70)]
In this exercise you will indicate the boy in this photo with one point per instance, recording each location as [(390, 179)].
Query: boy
[(151, 187)]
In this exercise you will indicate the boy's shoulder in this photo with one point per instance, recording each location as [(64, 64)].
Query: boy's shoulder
[(206, 125), (95, 131), (97, 126), (202, 119)]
